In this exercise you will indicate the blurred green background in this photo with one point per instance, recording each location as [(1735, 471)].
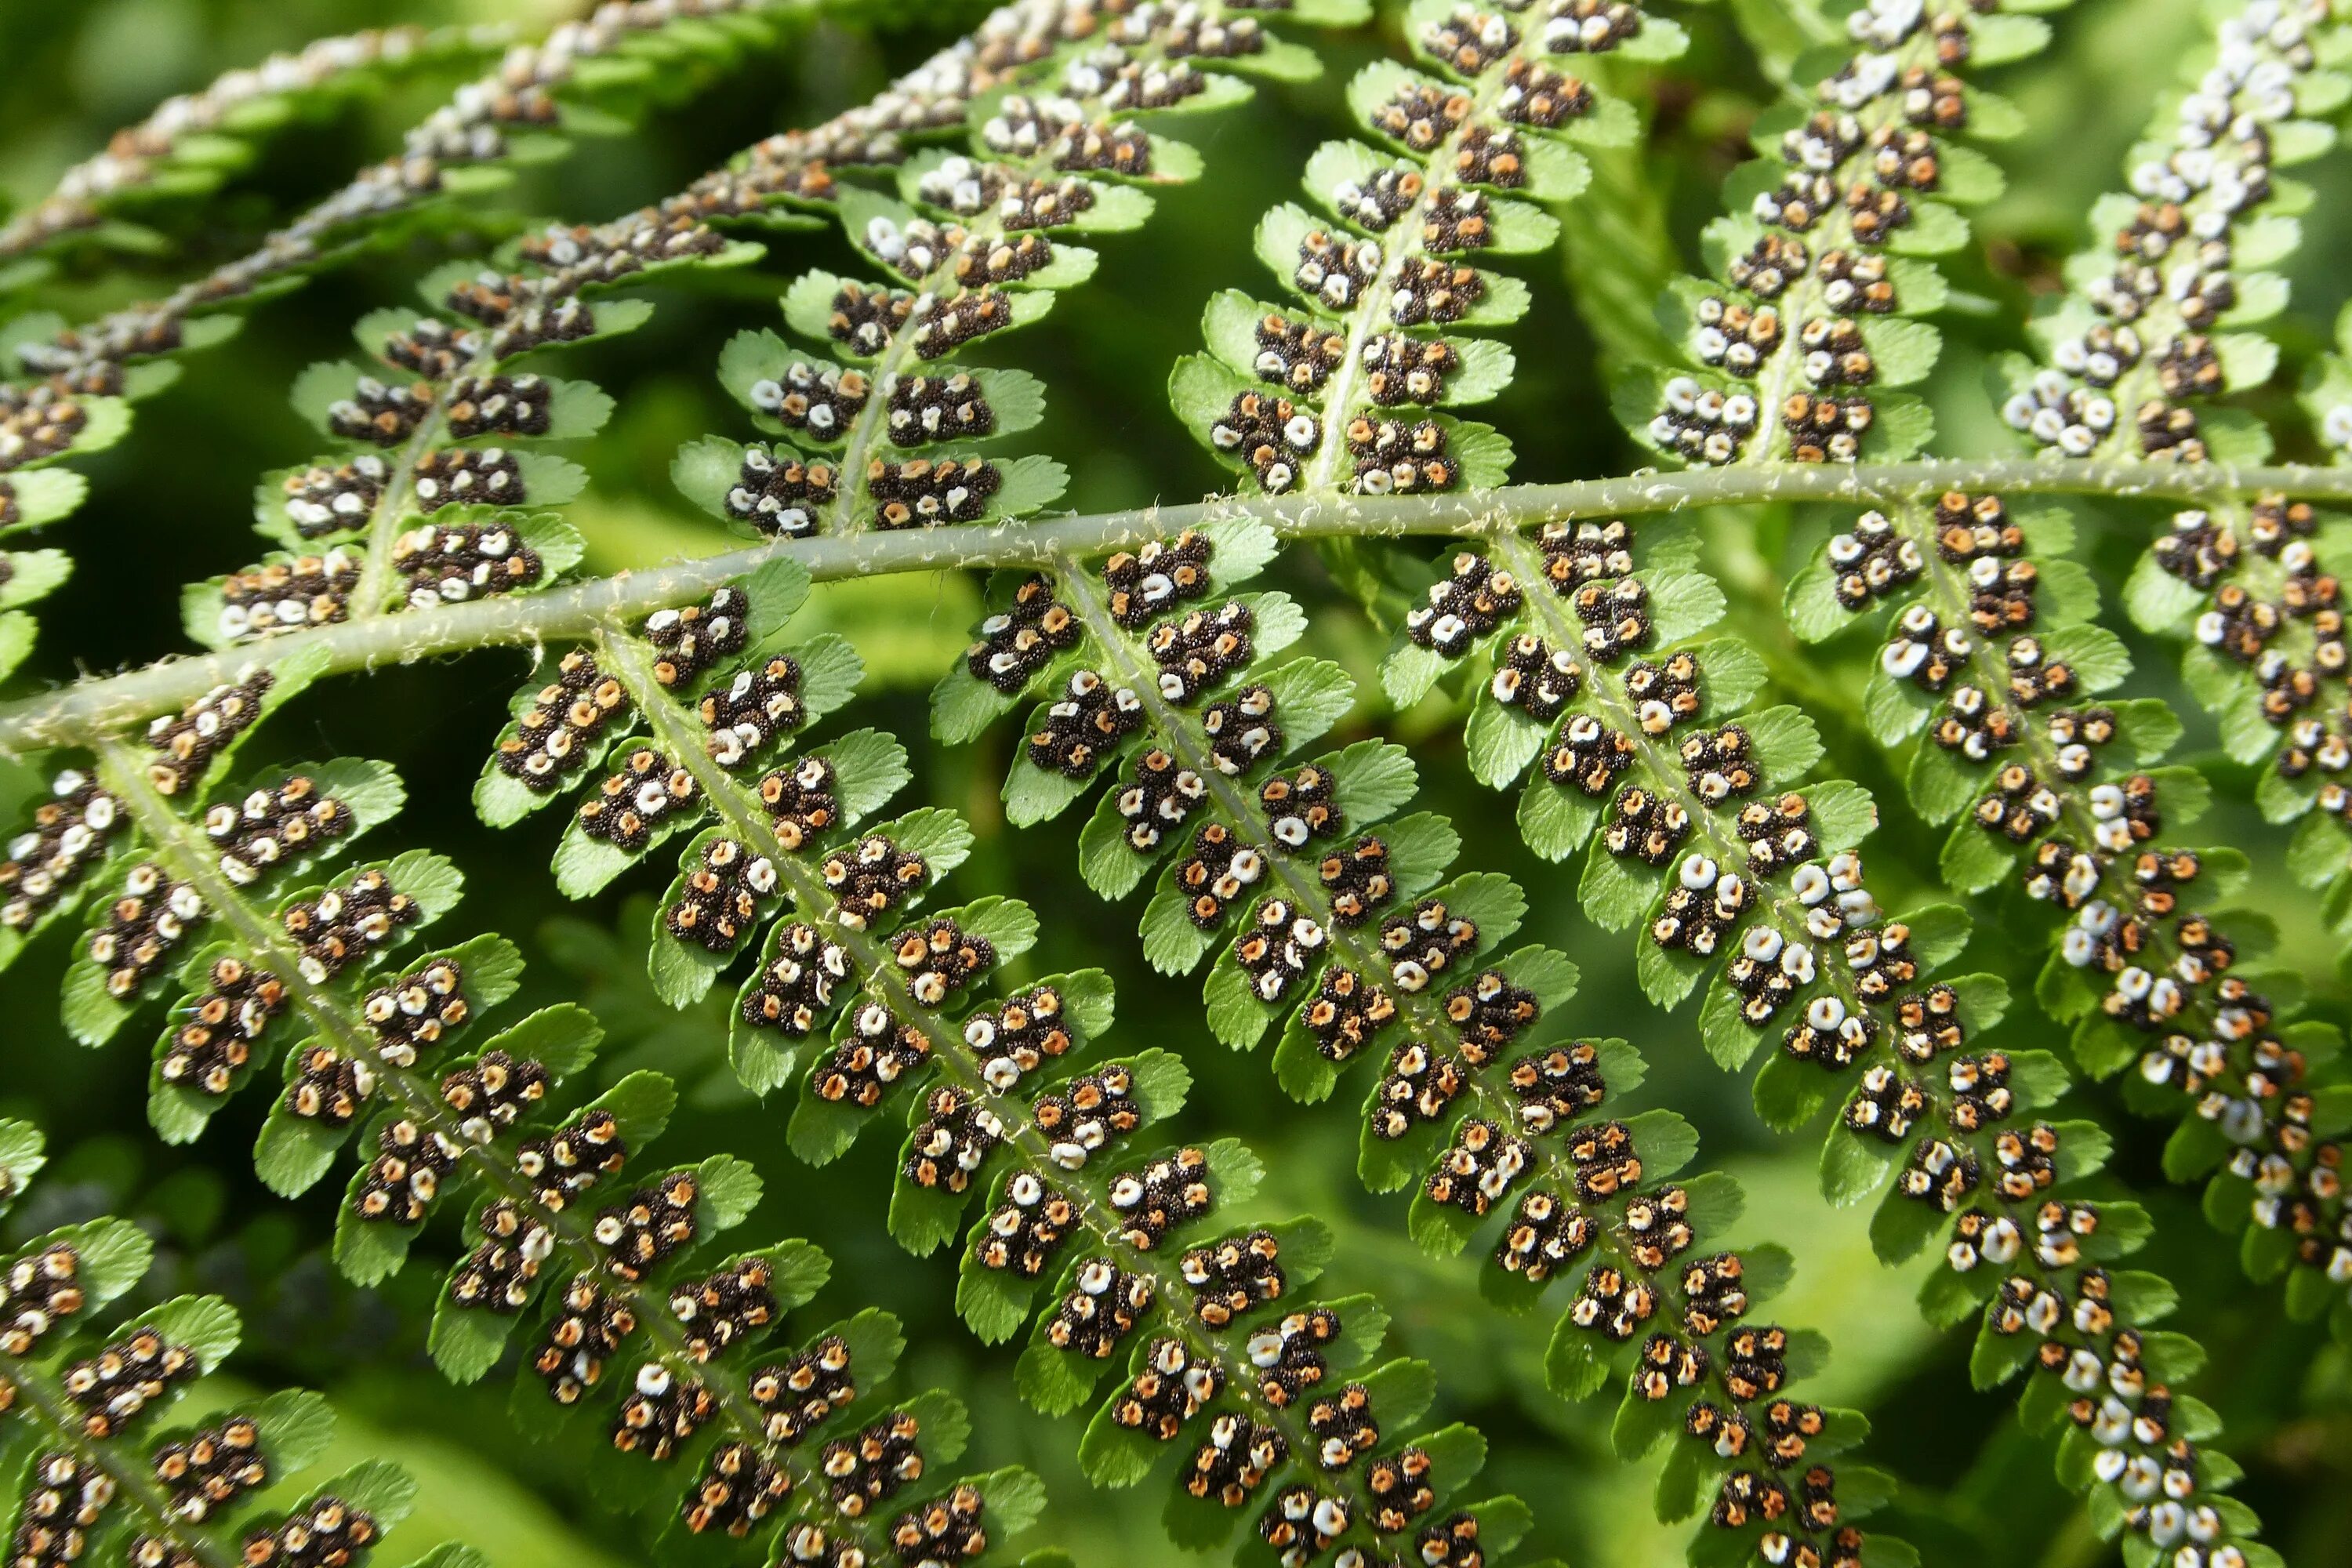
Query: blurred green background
[(172, 505)]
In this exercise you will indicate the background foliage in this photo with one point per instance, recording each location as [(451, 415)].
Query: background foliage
[(174, 501)]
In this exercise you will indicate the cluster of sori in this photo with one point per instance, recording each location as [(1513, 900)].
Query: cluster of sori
[(1388, 272), (1267, 1398), (174, 153), (1706, 1375), (1797, 346), (1335, 926), (975, 243), (1118, 1258), (1639, 740), (75, 384), (87, 1408), (2287, 603)]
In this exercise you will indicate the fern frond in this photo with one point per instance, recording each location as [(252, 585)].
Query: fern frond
[(976, 243), (790, 852), (2162, 322), (1993, 643), (626, 1288), (93, 1469), (2300, 783), (1581, 629), (193, 142), (2063, 802), (75, 397), (2141, 348), (1766, 888), (1815, 315), (428, 519), (466, 391), (2141, 344), (679, 718), (1329, 921), (1350, 389)]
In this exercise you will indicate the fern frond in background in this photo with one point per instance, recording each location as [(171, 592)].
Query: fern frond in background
[(80, 381), (1285, 761), (193, 142)]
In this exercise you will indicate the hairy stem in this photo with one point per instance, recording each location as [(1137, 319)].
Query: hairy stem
[(76, 714)]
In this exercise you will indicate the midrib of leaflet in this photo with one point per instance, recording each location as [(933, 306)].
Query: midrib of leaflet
[(632, 664), (1663, 765), (39, 1398), (369, 596), (1777, 377), (169, 835), (1372, 310), (864, 431), (1549, 1161)]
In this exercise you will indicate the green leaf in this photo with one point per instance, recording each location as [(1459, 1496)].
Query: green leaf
[(1855, 1164), (1615, 891), (1682, 604), (21, 1158), (1785, 742), (1843, 814), (1894, 708), (1666, 975), (1501, 741), (293, 1153), (1974, 860), (466, 1341), (1681, 1484), (1576, 1363), (1172, 945), (1235, 1014), (641, 1103), (1901, 1226), (1812, 603), (205, 1326), (1790, 1093), (1643, 1423), (1555, 820)]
